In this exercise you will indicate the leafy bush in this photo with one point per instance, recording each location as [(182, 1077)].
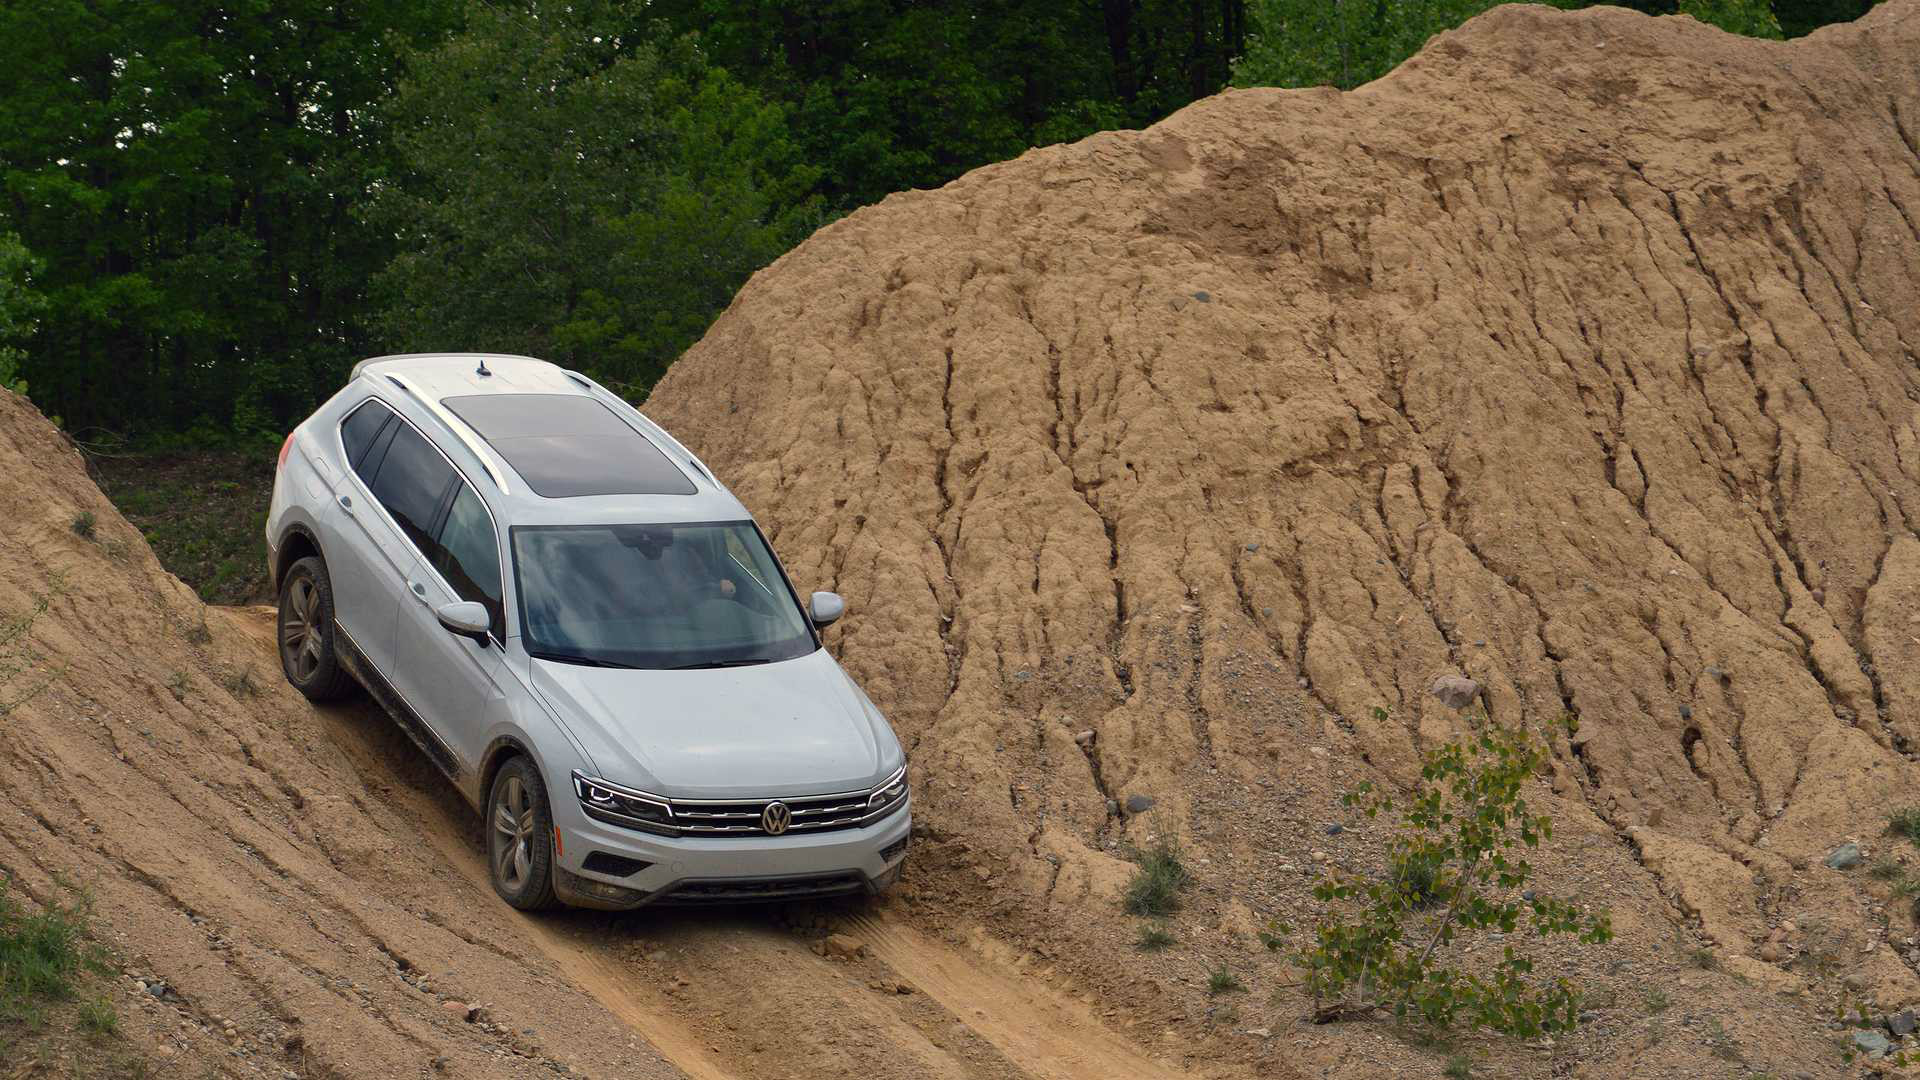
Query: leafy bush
[(1155, 888), (1456, 867)]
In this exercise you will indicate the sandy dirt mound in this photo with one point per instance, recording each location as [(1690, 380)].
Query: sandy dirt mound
[(239, 862), (1575, 356)]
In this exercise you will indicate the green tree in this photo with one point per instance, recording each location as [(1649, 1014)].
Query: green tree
[(581, 186), (20, 306), (888, 95), (185, 168), (1346, 43)]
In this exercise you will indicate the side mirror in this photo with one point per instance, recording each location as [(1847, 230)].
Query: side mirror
[(824, 607), (468, 618)]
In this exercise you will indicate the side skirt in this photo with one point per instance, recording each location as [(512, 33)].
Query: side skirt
[(382, 691)]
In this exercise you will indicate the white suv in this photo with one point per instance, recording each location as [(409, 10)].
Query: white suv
[(586, 632)]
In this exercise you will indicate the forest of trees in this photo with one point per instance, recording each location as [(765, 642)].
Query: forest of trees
[(209, 210)]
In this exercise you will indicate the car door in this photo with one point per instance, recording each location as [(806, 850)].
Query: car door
[(450, 678), (364, 551)]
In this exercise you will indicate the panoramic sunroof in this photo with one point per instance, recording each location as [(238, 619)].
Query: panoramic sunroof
[(566, 445)]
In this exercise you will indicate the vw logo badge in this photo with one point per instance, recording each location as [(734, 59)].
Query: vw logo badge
[(775, 818)]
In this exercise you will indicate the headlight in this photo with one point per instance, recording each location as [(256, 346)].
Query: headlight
[(623, 806), (891, 793)]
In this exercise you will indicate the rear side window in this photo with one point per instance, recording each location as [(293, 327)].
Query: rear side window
[(361, 427), (468, 556), (412, 484)]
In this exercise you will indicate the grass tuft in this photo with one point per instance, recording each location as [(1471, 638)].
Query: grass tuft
[(1458, 1068), (1155, 888), (1153, 937), (83, 524), (41, 955), (1657, 1001), (1905, 823), (97, 1016), (1222, 981)]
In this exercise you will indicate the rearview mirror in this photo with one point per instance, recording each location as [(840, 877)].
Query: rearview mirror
[(468, 618), (824, 607)]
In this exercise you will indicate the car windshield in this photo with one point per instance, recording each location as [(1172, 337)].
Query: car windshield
[(655, 596)]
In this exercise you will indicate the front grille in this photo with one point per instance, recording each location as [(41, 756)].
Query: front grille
[(616, 805), (819, 814), (748, 891)]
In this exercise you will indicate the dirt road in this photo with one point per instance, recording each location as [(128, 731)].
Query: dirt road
[(740, 992)]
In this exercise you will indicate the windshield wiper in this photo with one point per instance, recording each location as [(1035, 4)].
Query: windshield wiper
[(573, 658), (748, 662)]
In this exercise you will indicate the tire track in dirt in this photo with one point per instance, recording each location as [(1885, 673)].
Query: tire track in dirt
[(730, 993)]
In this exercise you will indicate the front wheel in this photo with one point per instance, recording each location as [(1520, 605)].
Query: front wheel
[(520, 836)]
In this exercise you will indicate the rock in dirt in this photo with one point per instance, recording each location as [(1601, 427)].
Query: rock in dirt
[(1871, 1043), (842, 947), (1139, 804), (1900, 1024), (1845, 857), (1454, 691)]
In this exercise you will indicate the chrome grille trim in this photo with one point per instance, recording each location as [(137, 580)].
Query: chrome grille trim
[(742, 817)]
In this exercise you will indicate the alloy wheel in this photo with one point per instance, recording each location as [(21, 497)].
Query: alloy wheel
[(513, 826), (299, 629)]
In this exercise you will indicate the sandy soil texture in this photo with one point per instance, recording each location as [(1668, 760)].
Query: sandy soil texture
[(1575, 355)]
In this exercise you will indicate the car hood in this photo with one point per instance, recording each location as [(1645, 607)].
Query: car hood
[(789, 728)]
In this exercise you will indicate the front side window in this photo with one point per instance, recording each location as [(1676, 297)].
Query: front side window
[(655, 596), (412, 480), (468, 556)]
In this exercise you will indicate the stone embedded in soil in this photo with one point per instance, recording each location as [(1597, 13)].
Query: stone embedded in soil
[(1845, 857), (1901, 1023), (1454, 691), (1139, 804), (1871, 1043), (842, 947), (1335, 828)]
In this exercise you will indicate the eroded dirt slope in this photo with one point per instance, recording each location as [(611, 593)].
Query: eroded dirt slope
[(151, 754), (1574, 355)]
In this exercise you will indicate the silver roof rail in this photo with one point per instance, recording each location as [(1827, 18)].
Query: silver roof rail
[(457, 428)]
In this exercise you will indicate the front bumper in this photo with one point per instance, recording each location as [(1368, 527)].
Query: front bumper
[(684, 870)]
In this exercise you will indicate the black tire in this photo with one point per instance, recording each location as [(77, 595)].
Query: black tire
[(306, 633), (520, 836)]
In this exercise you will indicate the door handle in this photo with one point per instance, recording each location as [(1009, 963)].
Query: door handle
[(418, 590), (346, 503)]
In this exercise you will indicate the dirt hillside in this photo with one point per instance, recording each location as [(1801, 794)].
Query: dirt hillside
[(1575, 355)]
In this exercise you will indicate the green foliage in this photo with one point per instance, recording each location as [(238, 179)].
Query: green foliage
[(1458, 1068), (83, 524), (1459, 850), (184, 171), (97, 1016), (1155, 888), (1656, 999), (1905, 823), (1754, 18), (886, 96), (20, 306), (42, 954), (1223, 981), (1154, 937), (1344, 43), (580, 186)]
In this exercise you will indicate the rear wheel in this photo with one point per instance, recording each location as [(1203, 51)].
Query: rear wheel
[(306, 632), (520, 836)]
